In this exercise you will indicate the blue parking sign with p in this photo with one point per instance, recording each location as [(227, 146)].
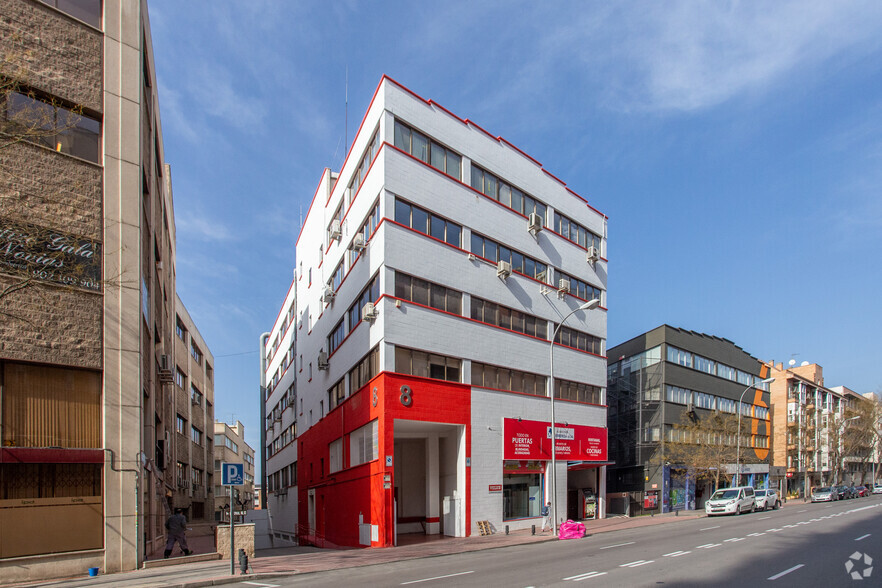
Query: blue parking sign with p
[(232, 474)]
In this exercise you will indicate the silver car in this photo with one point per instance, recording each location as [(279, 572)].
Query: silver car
[(825, 494), (767, 499)]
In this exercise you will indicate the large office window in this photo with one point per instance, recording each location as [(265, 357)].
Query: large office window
[(47, 123), (364, 370), (490, 376), (370, 293), (335, 339), (335, 455), (427, 293), (493, 187), (575, 232), (365, 163), (578, 391), (429, 151), (336, 394), (427, 365), (492, 251), (579, 340), (579, 288), (508, 318), (88, 11), (427, 223)]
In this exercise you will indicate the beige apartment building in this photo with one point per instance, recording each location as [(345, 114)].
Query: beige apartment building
[(88, 402), (230, 447)]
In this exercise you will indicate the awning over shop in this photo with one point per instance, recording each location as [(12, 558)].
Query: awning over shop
[(586, 465)]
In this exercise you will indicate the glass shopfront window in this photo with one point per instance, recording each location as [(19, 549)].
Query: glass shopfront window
[(521, 490)]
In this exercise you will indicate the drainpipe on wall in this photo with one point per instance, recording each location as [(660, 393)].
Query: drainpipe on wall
[(262, 350)]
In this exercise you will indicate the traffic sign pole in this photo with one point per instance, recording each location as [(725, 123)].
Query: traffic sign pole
[(232, 535)]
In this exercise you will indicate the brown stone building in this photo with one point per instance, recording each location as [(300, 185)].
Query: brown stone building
[(89, 451), (230, 447)]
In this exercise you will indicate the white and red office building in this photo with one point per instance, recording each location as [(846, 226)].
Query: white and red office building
[(405, 378)]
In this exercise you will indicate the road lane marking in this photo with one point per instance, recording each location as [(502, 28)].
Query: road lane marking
[(785, 572), (437, 578), (831, 506), (755, 534), (617, 544), (759, 519), (773, 530), (858, 539), (785, 526), (708, 546), (585, 576), (733, 540), (261, 585), (676, 553), (707, 529), (637, 564), (803, 510)]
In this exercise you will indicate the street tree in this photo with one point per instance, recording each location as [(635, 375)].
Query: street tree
[(706, 444)]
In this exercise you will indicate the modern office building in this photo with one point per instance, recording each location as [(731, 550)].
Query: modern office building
[(407, 373), (656, 377), (810, 429), (87, 292), (230, 447)]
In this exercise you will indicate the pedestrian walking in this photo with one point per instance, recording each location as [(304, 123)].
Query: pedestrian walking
[(176, 525), (546, 513)]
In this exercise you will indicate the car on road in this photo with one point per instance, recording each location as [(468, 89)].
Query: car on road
[(841, 492), (825, 494), (862, 490), (731, 501), (877, 489), (767, 499)]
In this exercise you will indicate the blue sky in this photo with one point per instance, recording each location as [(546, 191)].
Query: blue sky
[(735, 146)]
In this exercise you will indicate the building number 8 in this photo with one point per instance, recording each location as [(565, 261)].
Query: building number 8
[(406, 395)]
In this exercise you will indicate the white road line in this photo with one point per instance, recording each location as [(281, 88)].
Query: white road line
[(676, 553), (637, 564), (858, 539), (585, 576), (707, 529), (437, 578), (751, 534), (617, 544), (732, 540), (831, 506), (261, 585), (785, 526), (773, 530), (708, 546), (813, 520), (803, 510), (803, 522), (759, 519), (785, 572)]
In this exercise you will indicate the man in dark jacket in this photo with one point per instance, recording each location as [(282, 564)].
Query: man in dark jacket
[(176, 525)]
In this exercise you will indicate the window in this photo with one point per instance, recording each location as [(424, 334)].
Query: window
[(518, 491), (335, 339), (336, 394), (338, 216), (196, 477), (427, 293), (569, 229), (427, 365), (195, 352), (180, 377), (489, 376), (508, 318), (427, 223), (703, 400), (493, 251), (492, 187), (47, 123), (195, 395), (335, 458), (705, 365), (336, 277), (196, 435), (366, 369), (180, 330), (363, 444), (567, 390), (678, 395), (679, 356), (181, 425), (88, 11), (579, 340), (361, 170), (367, 230), (581, 289), (209, 371), (371, 293), (428, 151)]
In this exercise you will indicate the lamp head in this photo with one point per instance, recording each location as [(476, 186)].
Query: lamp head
[(591, 304), (767, 381)]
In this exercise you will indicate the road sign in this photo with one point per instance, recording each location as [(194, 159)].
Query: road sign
[(232, 474)]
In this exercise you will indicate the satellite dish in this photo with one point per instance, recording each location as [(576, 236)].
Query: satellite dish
[(803, 364), (792, 362)]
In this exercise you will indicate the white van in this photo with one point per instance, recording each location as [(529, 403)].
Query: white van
[(731, 501)]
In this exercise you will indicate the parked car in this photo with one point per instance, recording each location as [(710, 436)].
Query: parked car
[(862, 490), (825, 493), (731, 501), (852, 492), (767, 499), (877, 489), (842, 492)]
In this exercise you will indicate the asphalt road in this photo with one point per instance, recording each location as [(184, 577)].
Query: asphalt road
[(803, 545)]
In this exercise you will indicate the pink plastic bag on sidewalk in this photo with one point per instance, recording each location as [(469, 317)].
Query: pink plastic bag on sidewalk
[(571, 530)]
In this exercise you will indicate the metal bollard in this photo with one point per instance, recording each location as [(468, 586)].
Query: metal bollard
[(243, 561), (506, 529), (534, 526)]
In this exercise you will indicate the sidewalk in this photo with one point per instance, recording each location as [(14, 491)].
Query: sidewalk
[(280, 562)]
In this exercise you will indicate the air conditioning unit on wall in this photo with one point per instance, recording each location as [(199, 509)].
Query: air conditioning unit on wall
[(563, 286), (358, 242), (593, 254), (328, 295), (335, 232), (369, 312), (503, 269), (535, 223), (322, 360)]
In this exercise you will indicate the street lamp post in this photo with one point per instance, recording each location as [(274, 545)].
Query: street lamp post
[(738, 439), (591, 304)]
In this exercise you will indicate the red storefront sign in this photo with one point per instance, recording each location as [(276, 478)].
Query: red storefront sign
[(495, 488), (532, 440)]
